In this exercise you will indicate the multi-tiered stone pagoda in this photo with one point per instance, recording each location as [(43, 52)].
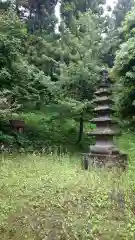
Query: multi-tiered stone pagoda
[(104, 152)]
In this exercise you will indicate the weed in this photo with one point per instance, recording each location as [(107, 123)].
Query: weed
[(51, 197)]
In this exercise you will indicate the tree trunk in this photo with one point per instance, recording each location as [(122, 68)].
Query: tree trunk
[(80, 129), (17, 8)]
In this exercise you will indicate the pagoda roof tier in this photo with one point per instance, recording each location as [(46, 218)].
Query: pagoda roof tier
[(103, 108), (104, 149), (106, 131), (111, 156), (102, 120), (105, 84), (103, 91), (102, 99)]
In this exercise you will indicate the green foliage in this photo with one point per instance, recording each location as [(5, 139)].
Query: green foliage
[(6, 140), (12, 26), (6, 107), (25, 83), (39, 68), (44, 53), (70, 9), (40, 14), (56, 129), (128, 25), (123, 69), (81, 71), (114, 37), (51, 196), (120, 11)]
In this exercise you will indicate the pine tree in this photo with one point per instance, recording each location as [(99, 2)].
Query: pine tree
[(70, 9), (38, 14), (120, 11), (22, 81), (114, 37), (124, 71)]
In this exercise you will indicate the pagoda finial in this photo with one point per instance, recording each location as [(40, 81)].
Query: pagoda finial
[(105, 74)]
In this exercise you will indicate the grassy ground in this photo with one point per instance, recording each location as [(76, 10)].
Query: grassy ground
[(50, 198)]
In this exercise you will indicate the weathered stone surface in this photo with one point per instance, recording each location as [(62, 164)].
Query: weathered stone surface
[(104, 119), (104, 160), (104, 152), (102, 100), (103, 108), (103, 91), (104, 131), (110, 149)]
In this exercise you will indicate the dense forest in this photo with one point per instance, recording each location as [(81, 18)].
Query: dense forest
[(48, 76)]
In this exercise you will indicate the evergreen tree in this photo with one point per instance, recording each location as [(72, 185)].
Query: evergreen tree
[(80, 65), (70, 9), (114, 37), (123, 70), (120, 11), (21, 81), (38, 14)]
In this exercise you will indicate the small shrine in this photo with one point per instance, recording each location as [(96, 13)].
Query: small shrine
[(17, 125), (104, 152)]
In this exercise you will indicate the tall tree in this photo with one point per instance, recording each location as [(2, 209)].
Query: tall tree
[(81, 65), (120, 10), (20, 80), (70, 9), (38, 13), (114, 37), (124, 70)]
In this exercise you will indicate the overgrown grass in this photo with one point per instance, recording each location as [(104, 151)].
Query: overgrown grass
[(53, 198)]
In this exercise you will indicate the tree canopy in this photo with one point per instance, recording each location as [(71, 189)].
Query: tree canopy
[(123, 70)]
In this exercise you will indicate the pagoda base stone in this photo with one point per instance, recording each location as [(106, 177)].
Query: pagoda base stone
[(102, 160)]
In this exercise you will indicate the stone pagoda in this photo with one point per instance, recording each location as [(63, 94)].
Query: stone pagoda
[(104, 152)]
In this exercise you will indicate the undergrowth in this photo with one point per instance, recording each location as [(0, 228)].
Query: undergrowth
[(43, 130), (51, 197)]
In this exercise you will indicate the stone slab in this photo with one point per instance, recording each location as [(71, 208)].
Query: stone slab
[(103, 132), (100, 160)]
